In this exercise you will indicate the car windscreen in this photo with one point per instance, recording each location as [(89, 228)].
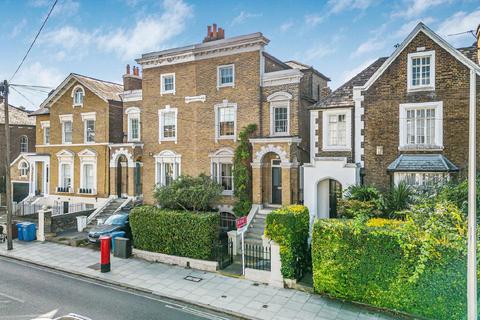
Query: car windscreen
[(116, 220)]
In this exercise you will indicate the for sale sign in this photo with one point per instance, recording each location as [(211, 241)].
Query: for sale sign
[(241, 222)]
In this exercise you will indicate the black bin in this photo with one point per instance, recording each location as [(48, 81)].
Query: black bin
[(123, 248)]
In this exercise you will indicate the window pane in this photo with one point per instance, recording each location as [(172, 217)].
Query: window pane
[(66, 177), (215, 171), (168, 171), (226, 176), (169, 129), (226, 121), (23, 144), (134, 126), (90, 130), (226, 75), (47, 135), (280, 119), (168, 83), (337, 130), (78, 97), (421, 71), (67, 131), (88, 176)]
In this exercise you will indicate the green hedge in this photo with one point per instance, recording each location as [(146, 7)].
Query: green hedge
[(289, 227), (358, 262), (179, 233)]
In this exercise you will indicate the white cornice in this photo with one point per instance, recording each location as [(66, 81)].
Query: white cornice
[(277, 78), (132, 95), (276, 140)]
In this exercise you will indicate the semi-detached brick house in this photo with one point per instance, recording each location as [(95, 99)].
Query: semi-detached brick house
[(403, 118), (184, 114), (22, 135)]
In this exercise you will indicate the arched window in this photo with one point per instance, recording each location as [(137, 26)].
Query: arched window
[(23, 144), (77, 94), (23, 167)]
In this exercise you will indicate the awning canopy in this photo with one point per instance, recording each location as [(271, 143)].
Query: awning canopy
[(422, 163)]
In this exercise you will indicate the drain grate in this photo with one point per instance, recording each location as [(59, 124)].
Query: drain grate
[(193, 279)]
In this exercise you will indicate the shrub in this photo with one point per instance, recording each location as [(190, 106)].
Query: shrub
[(362, 193), (188, 193), (242, 171), (352, 208), (179, 233), (398, 198), (289, 227), (416, 266)]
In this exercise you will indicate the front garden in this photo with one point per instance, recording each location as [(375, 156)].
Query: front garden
[(403, 250)]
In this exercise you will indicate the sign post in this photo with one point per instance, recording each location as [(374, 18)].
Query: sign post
[(241, 224)]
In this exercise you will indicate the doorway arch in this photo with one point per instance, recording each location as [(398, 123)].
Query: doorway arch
[(122, 176), (328, 192), (272, 184)]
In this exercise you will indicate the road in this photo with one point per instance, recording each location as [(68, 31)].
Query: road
[(31, 292)]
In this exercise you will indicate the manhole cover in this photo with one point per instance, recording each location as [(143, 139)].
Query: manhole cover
[(193, 279), (95, 266)]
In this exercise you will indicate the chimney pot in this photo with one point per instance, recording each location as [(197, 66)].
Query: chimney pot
[(128, 69)]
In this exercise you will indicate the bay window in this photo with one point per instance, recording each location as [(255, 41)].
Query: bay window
[(421, 125)]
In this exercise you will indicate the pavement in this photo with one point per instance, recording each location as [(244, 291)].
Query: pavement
[(41, 293), (235, 296)]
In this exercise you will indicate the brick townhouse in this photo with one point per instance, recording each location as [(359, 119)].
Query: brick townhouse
[(74, 127), (403, 118), (22, 135), (184, 111)]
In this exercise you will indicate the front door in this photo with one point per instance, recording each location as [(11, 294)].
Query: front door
[(276, 184), (335, 190)]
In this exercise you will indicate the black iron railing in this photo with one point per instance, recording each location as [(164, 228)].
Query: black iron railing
[(224, 253), (257, 256)]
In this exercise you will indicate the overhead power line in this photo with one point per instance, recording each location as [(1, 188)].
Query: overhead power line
[(33, 104), (34, 40)]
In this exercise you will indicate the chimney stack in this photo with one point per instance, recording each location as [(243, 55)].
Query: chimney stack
[(214, 34), (132, 81)]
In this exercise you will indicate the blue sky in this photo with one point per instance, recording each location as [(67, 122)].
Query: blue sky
[(97, 38)]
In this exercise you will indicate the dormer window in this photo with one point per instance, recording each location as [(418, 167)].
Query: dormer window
[(167, 83), (225, 76), (421, 71), (78, 94)]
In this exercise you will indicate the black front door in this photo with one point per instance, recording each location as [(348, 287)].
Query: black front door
[(276, 185), (334, 192), (119, 180)]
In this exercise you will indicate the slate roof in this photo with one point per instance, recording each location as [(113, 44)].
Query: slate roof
[(422, 163), (105, 90), (302, 66), (470, 52), (343, 96), (16, 116)]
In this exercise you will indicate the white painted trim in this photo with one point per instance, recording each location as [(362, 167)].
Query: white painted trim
[(119, 152), (402, 140), (258, 157), (288, 140), (88, 157), (222, 156), (313, 134), (20, 163), (282, 77), (220, 85), (217, 107), (133, 113), (279, 100), (63, 119), (132, 95), (161, 113), (200, 98), (162, 84), (88, 116), (73, 95), (421, 54), (72, 144), (348, 126), (167, 156), (359, 125), (44, 124)]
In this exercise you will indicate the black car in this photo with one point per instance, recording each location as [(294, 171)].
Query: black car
[(116, 222)]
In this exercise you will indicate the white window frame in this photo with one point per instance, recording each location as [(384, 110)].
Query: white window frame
[(89, 116), (420, 87), (23, 144), (162, 84), (74, 90), (167, 156), (279, 100), (66, 157), (222, 156), (404, 107), (325, 129), (224, 85), (66, 118), (23, 171), (88, 157), (217, 107), (399, 177), (161, 123), (133, 113), (45, 125)]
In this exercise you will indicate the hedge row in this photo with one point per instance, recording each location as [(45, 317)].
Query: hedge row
[(366, 263), (289, 227), (179, 233)]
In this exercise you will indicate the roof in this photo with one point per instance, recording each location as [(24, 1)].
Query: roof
[(343, 96), (302, 66), (422, 163), (105, 90), (470, 52), (16, 116)]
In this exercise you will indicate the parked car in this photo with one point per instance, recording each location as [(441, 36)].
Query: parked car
[(116, 222)]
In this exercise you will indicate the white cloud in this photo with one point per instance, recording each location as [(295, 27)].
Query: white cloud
[(62, 8), (415, 8), (337, 6), (67, 37), (34, 74), (349, 74), (457, 23), (407, 27), (318, 51), (371, 45), (18, 28), (243, 16), (149, 33), (314, 19), (286, 26)]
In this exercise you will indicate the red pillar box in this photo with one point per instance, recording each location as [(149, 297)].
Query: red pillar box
[(105, 253)]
